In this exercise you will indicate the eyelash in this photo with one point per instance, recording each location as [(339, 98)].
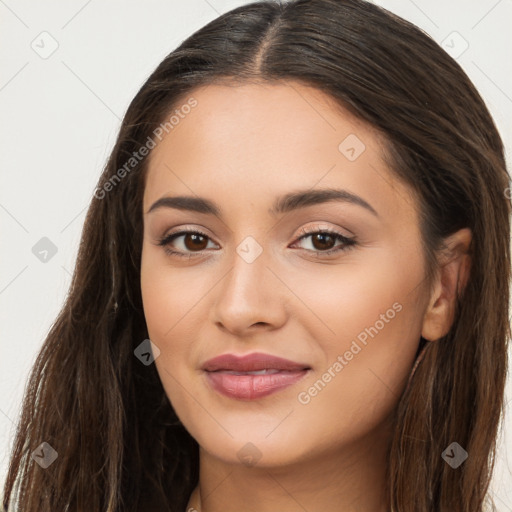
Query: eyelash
[(348, 243)]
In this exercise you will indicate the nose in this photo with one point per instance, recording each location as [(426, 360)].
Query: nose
[(250, 296)]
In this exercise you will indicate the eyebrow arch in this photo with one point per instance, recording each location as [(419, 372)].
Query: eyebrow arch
[(283, 204)]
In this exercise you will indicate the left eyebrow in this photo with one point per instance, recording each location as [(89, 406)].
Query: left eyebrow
[(282, 204), (304, 198)]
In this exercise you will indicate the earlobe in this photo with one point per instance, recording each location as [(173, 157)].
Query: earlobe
[(450, 281)]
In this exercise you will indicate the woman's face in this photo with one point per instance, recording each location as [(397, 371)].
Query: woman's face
[(255, 163)]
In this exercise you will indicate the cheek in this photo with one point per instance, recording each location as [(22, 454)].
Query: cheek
[(169, 295), (374, 319), (172, 308), (367, 297), (162, 307)]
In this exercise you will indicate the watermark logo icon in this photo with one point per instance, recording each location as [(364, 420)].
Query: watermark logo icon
[(249, 249), (249, 455), (44, 250), (45, 45), (44, 455), (454, 455), (455, 45), (147, 352), (351, 147)]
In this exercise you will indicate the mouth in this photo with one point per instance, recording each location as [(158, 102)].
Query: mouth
[(252, 376)]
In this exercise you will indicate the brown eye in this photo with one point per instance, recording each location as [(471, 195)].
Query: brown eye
[(185, 243), (323, 241), (195, 241)]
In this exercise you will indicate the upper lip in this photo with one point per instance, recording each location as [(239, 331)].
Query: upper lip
[(251, 363)]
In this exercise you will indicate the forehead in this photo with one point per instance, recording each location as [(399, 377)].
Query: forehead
[(263, 140)]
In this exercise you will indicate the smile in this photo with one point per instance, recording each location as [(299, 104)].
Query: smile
[(253, 376)]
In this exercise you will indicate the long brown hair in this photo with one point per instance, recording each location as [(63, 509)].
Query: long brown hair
[(120, 445)]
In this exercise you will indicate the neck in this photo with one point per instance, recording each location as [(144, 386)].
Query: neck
[(348, 479)]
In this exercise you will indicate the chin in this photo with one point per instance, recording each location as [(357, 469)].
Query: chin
[(254, 447)]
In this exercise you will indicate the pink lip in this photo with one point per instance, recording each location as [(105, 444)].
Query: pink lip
[(227, 375)]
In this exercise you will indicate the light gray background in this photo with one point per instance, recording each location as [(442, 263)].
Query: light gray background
[(60, 116)]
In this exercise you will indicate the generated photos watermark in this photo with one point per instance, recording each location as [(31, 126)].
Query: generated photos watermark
[(137, 156), (305, 397)]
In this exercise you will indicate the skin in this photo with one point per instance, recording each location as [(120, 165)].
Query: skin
[(241, 147)]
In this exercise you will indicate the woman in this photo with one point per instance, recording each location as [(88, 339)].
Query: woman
[(213, 353)]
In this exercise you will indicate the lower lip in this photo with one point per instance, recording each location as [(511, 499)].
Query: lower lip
[(252, 387)]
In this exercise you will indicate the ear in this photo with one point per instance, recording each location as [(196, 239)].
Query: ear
[(454, 266)]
